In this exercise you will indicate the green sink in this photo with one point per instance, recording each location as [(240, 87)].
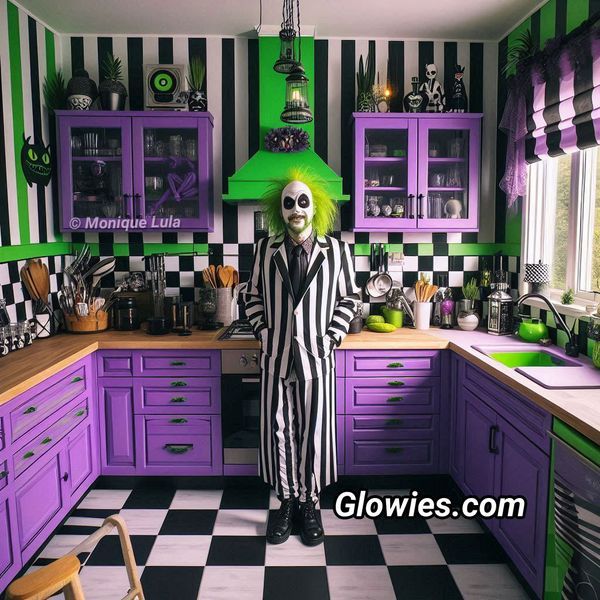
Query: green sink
[(536, 358)]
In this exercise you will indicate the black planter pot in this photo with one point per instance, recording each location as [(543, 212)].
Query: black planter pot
[(112, 100), (197, 101)]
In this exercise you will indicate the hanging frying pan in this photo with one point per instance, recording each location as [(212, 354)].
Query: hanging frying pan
[(379, 284)]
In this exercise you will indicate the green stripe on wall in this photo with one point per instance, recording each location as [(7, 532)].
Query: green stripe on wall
[(547, 22), (124, 249), (16, 87), (577, 12), (10, 253)]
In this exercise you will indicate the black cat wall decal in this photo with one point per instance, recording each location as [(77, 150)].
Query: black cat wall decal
[(35, 161)]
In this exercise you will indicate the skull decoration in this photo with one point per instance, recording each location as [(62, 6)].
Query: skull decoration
[(35, 161), (434, 90), (297, 209)]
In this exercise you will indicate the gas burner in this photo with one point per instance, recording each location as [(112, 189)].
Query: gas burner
[(238, 330)]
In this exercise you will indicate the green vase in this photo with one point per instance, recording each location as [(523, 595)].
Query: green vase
[(596, 354)]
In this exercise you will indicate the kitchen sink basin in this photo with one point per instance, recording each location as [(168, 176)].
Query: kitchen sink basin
[(535, 358)]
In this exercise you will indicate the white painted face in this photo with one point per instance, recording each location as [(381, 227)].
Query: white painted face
[(297, 208)]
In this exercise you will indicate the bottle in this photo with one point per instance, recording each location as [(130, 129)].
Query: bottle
[(415, 101), (447, 310)]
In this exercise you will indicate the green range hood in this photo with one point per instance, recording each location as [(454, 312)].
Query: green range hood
[(250, 182)]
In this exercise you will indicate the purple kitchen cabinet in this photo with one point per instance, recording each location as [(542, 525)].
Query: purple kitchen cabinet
[(10, 556), (416, 172), (181, 394), (114, 363), (390, 363), (117, 432), (177, 363), (135, 171), (83, 455)]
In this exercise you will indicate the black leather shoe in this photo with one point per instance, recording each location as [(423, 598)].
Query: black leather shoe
[(311, 528), (281, 527)]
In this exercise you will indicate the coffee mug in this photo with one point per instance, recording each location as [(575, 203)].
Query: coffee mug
[(157, 326), (393, 316)]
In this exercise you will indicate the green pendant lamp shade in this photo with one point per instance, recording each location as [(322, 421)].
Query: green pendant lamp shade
[(287, 55), (297, 109)]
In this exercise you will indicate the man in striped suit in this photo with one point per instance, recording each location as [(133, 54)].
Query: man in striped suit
[(300, 300)]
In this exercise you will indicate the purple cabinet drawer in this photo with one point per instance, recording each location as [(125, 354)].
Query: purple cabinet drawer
[(182, 445), (27, 456), (46, 398), (115, 363), (376, 425), (533, 422), (390, 451), (392, 395), (178, 394), (171, 363), (383, 363)]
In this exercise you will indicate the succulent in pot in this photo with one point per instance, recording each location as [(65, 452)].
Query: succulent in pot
[(197, 97), (112, 91), (467, 318)]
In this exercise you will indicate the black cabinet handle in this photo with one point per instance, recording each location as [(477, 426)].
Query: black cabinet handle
[(395, 383), (178, 399), (76, 379), (178, 448), (29, 410), (395, 399), (393, 450), (46, 440), (395, 365), (178, 363), (392, 422), (80, 413), (178, 421), (125, 205), (420, 214), (492, 440), (29, 454), (137, 198), (65, 477), (3, 474), (178, 384), (411, 212)]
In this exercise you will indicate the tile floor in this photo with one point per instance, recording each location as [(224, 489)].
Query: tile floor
[(210, 544)]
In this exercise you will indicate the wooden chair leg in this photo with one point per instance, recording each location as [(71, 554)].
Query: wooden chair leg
[(73, 590)]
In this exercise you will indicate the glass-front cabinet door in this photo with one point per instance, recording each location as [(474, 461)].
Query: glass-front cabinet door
[(385, 174), (448, 181), (95, 172), (172, 172)]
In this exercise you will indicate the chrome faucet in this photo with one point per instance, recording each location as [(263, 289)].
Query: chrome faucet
[(571, 347)]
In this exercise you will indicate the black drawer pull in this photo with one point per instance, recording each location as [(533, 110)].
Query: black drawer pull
[(3, 474), (178, 384), (178, 448), (29, 410), (46, 440), (178, 421), (395, 383), (394, 450), (492, 440), (178, 363), (391, 422), (28, 454), (395, 399), (65, 477), (76, 379), (178, 399), (80, 413), (395, 365)]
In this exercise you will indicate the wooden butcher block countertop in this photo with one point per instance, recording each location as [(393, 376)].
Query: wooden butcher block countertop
[(21, 370)]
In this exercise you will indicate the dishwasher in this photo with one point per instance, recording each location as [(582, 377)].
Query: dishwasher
[(573, 551)]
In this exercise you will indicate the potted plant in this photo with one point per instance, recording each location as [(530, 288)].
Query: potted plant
[(365, 80), (197, 97), (55, 92), (470, 292), (112, 92)]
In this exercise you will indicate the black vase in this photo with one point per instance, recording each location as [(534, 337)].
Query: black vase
[(197, 101), (415, 101)]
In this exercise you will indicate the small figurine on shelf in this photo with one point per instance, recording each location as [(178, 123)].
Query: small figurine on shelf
[(458, 99), (436, 99), (415, 101)]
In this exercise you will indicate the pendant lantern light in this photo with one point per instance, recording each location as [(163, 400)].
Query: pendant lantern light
[(287, 55), (297, 109)]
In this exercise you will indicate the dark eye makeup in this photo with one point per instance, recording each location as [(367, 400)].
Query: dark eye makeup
[(288, 202), (303, 201)]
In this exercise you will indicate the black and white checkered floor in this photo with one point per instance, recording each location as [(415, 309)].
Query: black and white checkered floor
[(210, 544)]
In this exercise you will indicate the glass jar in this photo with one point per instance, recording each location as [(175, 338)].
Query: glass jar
[(5, 341), (24, 329)]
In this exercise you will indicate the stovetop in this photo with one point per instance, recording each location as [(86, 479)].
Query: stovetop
[(238, 330)]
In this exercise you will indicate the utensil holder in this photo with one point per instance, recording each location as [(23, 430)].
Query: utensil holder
[(224, 306), (422, 315), (91, 323)]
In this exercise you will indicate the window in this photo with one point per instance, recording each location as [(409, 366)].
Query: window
[(561, 223)]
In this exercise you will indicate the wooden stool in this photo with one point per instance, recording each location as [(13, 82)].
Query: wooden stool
[(63, 574)]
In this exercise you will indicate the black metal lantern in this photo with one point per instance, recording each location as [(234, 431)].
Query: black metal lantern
[(287, 54), (296, 108)]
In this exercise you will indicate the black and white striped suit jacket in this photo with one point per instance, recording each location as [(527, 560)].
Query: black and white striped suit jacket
[(301, 332)]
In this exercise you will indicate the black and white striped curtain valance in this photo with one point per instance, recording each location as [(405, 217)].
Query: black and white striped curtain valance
[(563, 106)]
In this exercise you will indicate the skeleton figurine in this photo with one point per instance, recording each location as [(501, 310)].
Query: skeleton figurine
[(434, 90), (458, 99)]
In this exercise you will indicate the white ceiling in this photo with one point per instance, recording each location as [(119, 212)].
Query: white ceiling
[(391, 19)]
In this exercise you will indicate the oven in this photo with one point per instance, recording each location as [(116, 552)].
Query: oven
[(240, 411)]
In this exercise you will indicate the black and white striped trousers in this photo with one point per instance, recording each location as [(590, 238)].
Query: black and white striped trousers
[(298, 434)]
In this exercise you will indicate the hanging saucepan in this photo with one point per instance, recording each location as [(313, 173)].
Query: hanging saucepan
[(379, 284)]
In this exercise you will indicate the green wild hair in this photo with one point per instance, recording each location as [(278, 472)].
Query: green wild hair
[(325, 208)]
